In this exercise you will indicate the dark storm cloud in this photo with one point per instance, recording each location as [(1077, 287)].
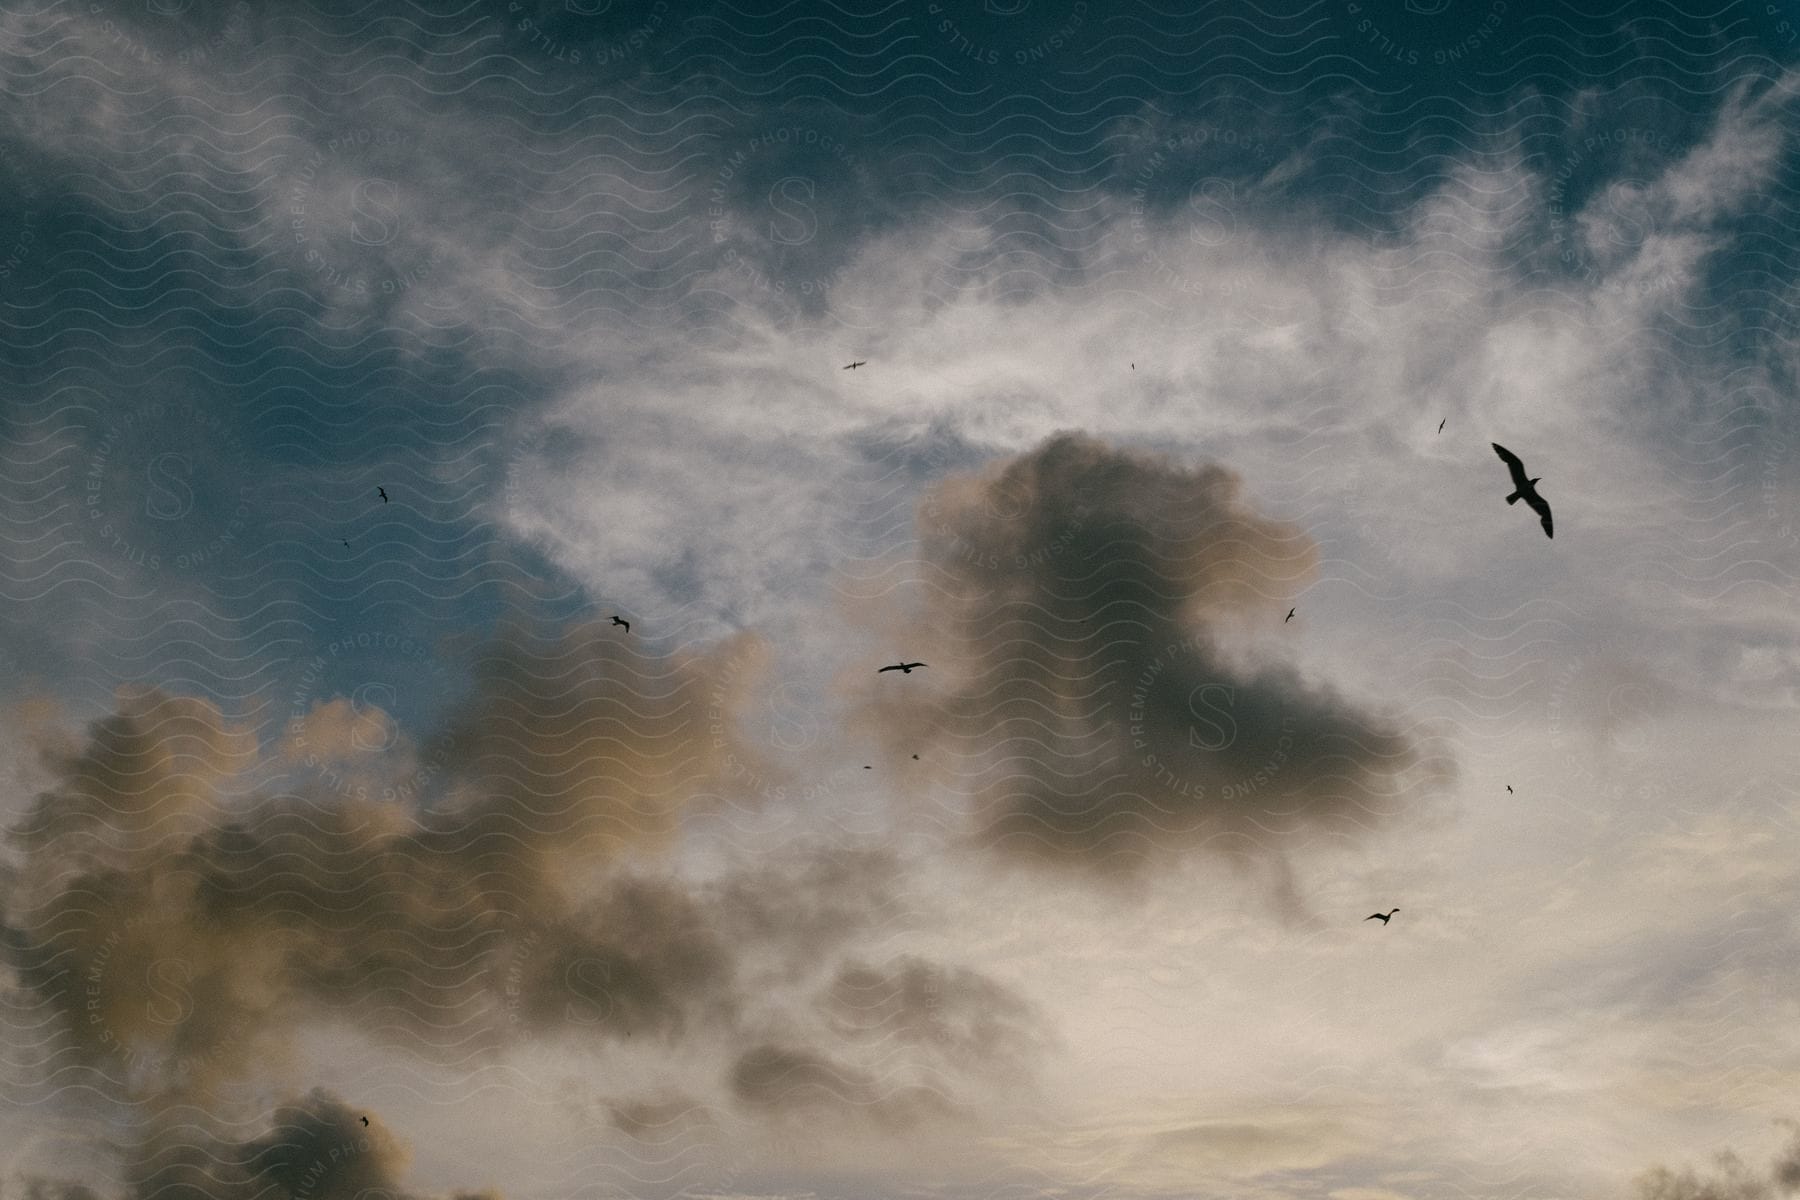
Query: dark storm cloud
[(316, 1148), (1090, 660), (1729, 1179), (1787, 1164)]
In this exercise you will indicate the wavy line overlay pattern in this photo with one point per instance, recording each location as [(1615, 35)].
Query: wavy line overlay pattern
[(463, 467)]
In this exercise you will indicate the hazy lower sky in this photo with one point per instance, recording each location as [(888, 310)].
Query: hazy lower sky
[(357, 850)]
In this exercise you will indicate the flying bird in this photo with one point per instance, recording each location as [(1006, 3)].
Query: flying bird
[(365, 1120), (618, 620), (860, 363), (1289, 617), (1441, 425), (1509, 790), (383, 492), (905, 668), (346, 544), (1524, 489), (1384, 918)]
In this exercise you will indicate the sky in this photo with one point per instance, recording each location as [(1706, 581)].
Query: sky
[(447, 565)]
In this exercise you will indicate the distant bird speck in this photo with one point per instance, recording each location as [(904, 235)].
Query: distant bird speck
[(867, 767), (1441, 425), (905, 668), (365, 1120), (1289, 617), (1384, 918), (346, 544), (1524, 489), (618, 620), (1509, 790), (915, 758), (859, 363), (383, 493)]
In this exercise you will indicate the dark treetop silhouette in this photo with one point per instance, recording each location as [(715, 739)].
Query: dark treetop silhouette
[(1525, 491)]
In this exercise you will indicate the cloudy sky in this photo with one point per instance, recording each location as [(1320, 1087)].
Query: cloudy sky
[(539, 827)]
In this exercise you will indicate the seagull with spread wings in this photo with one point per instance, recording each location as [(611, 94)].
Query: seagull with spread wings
[(1524, 488), (905, 668)]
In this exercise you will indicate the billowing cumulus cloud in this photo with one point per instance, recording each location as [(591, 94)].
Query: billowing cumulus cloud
[(184, 903), (1094, 636), (143, 779), (174, 929), (579, 743)]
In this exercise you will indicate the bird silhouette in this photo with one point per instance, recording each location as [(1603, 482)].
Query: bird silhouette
[(383, 492), (905, 668), (365, 1120), (1289, 617), (1384, 918), (1524, 487), (1509, 790), (1441, 425), (346, 544), (915, 758), (618, 620), (860, 363)]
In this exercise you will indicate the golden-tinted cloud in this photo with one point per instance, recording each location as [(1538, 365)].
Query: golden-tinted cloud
[(146, 777), (579, 743), (176, 918)]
